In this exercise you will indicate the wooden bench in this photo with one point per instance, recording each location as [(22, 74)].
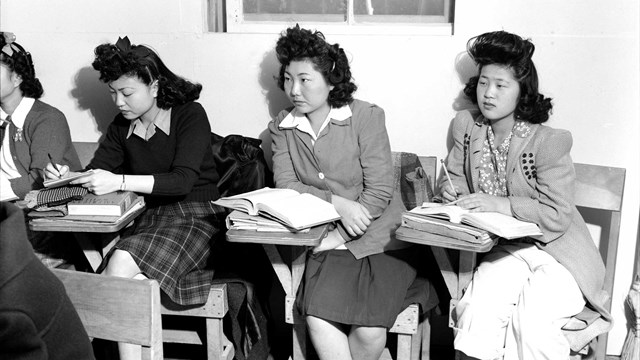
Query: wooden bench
[(213, 311), (117, 309)]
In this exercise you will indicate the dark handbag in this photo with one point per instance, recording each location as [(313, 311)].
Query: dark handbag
[(240, 163)]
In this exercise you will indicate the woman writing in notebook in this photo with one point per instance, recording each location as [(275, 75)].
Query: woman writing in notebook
[(30, 132), (336, 148), (158, 145), (30, 129), (504, 160)]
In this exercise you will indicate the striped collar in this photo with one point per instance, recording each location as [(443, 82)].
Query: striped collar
[(162, 122)]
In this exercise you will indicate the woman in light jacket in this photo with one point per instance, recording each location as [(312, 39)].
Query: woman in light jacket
[(529, 298), (336, 147)]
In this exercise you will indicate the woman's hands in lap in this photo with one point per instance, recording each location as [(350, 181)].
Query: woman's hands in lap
[(354, 216)]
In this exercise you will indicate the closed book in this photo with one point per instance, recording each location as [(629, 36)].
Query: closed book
[(408, 234), (442, 227), (112, 204)]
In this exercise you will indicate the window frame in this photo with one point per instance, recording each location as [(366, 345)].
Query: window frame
[(237, 22)]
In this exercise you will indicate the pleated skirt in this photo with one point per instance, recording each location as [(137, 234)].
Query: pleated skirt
[(371, 291)]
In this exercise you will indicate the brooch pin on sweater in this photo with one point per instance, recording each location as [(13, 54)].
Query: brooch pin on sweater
[(18, 136)]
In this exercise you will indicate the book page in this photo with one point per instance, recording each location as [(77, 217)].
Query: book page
[(452, 213), (503, 225), (248, 201), (497, 223), (53, 183), (302, 211), (238, 220), (432, 220)]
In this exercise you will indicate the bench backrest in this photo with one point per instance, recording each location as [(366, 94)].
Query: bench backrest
[(599, 190), (117, 309)]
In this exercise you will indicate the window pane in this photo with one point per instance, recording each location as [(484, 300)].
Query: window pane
[(294, 7), (399, 7)]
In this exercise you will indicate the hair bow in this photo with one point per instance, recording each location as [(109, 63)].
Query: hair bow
[(8, 44), (10, 48), (124, 46)]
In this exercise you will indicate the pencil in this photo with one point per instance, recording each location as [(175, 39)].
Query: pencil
[(446, 173), (53, 163)]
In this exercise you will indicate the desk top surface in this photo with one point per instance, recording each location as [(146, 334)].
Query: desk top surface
[(311, 238), (62, 224)]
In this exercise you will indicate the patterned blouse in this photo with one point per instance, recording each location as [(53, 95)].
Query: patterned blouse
[(493, 164)]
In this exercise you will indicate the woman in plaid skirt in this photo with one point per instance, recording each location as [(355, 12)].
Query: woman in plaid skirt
[(158, 145)]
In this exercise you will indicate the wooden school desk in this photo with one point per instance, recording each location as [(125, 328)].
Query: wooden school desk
[(456, 279), (290, 278), (94, 247)]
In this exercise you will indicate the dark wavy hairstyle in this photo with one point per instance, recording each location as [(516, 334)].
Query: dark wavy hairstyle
[(21, 63), (510, 50), (296, 44), (122, 58)]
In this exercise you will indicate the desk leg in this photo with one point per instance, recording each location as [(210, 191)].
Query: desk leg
[(290, 280), (298, 263), (465, 270), (466, 266), (91, 251), (446, 268), (95, 246)]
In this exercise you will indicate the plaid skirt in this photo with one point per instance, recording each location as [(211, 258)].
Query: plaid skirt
[(172, 244)]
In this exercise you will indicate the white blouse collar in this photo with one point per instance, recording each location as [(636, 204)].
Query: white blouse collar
[(296, 118)]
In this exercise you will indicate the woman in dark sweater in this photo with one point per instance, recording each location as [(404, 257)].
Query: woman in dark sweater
[(159, 145)]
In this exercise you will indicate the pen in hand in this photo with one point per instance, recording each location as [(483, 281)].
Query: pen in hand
[(446, 173), (54, 164)]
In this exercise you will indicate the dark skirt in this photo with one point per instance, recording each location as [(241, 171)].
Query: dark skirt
[(172, 244), (371, 291)]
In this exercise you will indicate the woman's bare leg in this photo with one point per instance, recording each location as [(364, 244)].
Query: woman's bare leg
[(121, 264), (330, 342), (367, 343)]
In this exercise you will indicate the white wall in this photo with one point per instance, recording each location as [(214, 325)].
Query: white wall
[(587, 54)]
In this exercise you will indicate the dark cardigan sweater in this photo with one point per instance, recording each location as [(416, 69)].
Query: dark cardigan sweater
[(181, 163), (45, 131)]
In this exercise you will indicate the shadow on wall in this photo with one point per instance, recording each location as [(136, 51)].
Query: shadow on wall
[(465, 68), (275, 98), (93, 95)]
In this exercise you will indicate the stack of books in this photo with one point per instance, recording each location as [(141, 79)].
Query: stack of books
[(452, 226), (97, 213), (277, 210)]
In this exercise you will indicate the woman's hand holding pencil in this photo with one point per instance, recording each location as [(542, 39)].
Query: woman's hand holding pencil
[(449, 191), (55, 171)]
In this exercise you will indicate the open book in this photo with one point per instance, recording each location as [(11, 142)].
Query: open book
[(295, 210), (502, 225)]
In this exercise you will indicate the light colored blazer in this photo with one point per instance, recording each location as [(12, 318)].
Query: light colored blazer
[(350, 158), (540, 184)]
